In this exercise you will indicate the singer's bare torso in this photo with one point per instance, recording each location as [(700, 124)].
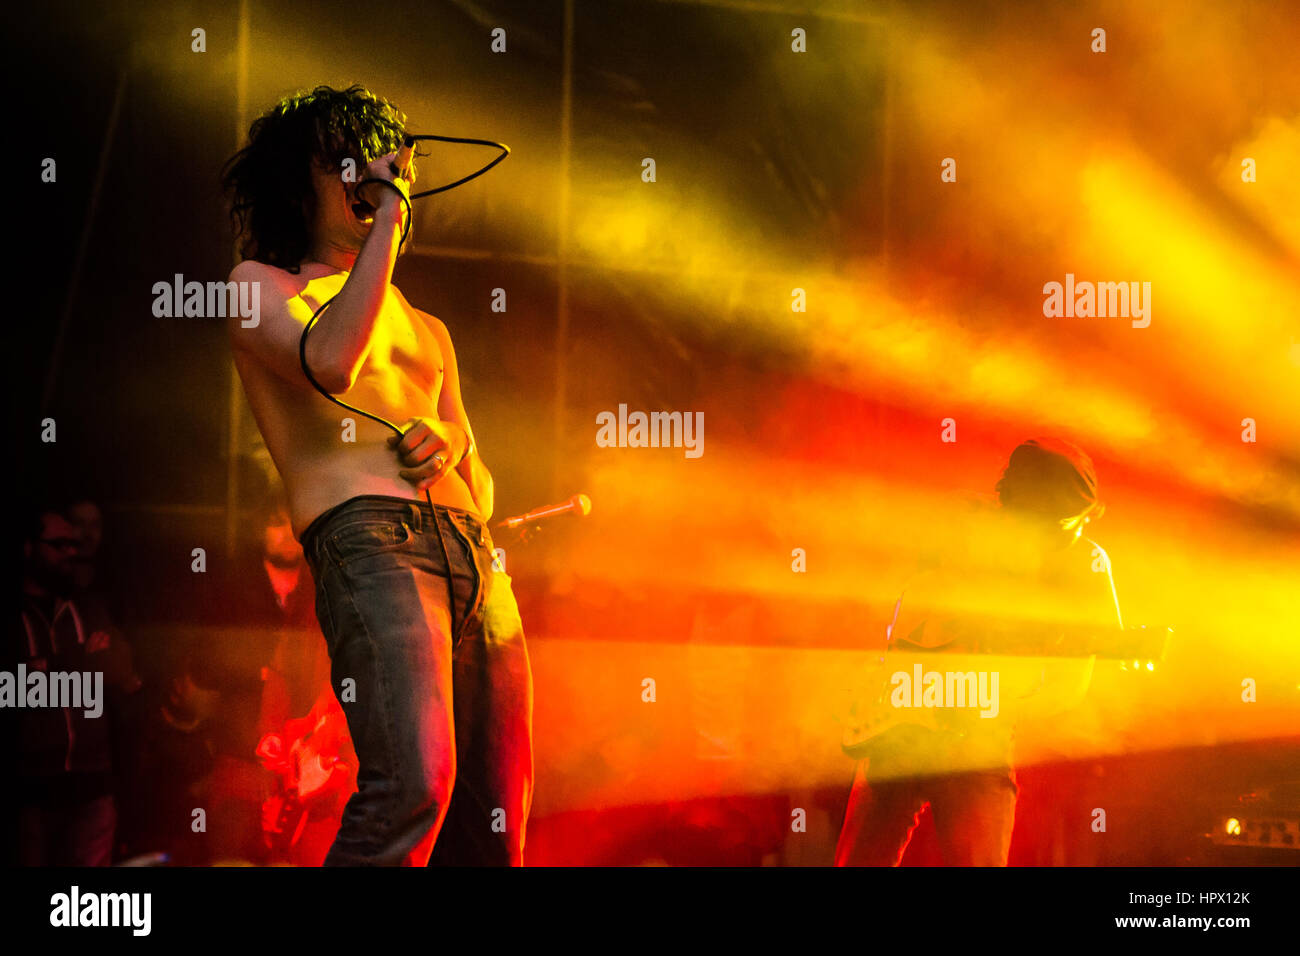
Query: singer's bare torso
[(322, 459)]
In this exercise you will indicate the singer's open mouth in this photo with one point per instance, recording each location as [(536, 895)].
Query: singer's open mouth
[(363, 211)]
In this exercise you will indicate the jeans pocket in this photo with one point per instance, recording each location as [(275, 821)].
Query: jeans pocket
[(362, 540)]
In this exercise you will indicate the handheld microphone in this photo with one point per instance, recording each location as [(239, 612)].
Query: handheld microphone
[(363, 208), (404, 154), (579, 505)]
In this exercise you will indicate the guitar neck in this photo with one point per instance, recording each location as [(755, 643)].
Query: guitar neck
[(1052, 639)]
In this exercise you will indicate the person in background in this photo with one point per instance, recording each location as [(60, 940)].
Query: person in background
[(305, 740), (63, 796), (1011, 581)]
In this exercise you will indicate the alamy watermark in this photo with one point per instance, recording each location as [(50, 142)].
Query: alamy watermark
[(75, 908), (210, 300), (651, 430), (946, 689), (74, 690), (1100, 299)]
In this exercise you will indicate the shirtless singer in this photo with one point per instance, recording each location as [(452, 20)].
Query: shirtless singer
[(426, 647)]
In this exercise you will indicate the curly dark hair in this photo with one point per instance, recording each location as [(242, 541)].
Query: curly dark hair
[(269, 180)]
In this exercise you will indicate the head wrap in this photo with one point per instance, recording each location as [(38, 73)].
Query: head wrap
[(1051, 477)]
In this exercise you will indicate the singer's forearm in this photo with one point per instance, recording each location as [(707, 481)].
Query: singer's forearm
[(340, 341), (475, 474), (470, 468), (479, 480)]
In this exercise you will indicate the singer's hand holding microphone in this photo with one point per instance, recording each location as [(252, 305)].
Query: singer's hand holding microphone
[(394, 168)]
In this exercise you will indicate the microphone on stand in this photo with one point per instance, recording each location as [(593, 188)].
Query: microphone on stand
[(578, 505)]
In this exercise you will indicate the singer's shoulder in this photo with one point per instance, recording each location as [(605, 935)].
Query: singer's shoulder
[(264, 274), (247, 269)]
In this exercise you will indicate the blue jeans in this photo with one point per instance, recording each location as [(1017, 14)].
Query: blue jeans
[(427, 658)]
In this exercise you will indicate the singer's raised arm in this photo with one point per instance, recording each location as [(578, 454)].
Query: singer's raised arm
[(337, 347)]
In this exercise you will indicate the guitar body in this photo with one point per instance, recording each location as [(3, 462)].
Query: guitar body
[(869, 714), (307, 774), (1017, 654)]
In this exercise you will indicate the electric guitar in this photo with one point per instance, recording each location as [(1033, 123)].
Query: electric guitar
[(869, 710), (307, 770)]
